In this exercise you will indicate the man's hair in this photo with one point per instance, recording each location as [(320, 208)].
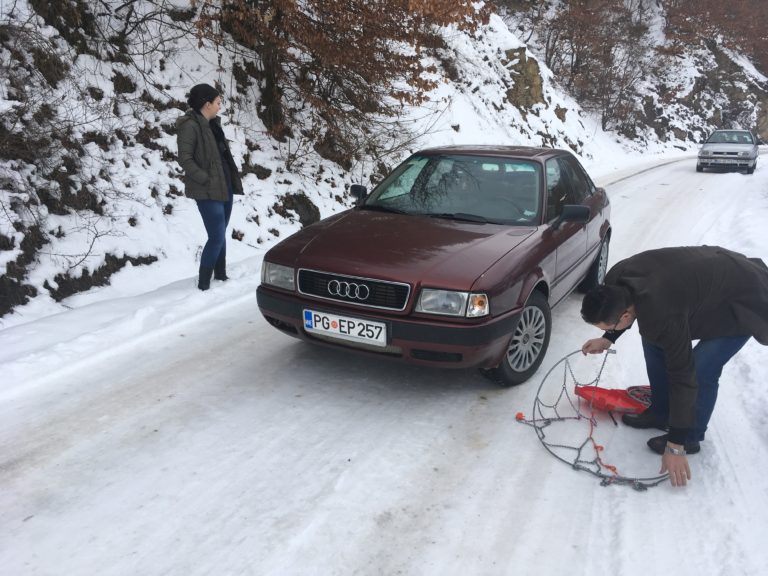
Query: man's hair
[(605, 304)]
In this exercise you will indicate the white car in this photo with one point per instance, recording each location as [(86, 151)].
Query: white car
[(729, 150)]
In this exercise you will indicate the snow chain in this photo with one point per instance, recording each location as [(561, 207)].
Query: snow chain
[(586, 454)]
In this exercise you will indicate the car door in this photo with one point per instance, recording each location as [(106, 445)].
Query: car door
[(570, 238), (589, 195)]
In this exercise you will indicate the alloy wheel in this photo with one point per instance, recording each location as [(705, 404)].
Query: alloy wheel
[(602, 266), (528, 340)]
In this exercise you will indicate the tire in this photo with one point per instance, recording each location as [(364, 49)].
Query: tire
[(699, 168), (598, 269), (528, 344), (752, 170)]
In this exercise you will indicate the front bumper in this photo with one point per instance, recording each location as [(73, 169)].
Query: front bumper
[(727, 163), (423, 341)]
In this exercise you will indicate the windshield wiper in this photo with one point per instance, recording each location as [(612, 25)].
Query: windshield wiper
[(380, 208), (462, 216)]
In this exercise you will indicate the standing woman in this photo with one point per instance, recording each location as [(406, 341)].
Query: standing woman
[(210, 176)]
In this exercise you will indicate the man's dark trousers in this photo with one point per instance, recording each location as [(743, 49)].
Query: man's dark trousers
[(709, 356)]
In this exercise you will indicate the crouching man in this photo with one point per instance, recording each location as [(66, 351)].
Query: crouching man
[(678, 295)]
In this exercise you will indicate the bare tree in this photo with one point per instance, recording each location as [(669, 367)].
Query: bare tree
[(600, 50), (337, 71), (54, 136), (739, 24)]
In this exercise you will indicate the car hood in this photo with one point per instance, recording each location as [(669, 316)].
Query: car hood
[(728, 148), (405, 248)]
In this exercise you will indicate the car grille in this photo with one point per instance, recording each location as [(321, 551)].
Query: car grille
[(725, 153), (372, 293)]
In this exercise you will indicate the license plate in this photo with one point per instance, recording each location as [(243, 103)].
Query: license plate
[(726, 161), (345, 328)]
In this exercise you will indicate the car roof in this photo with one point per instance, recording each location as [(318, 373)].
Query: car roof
[(538, 153), (731, 130)]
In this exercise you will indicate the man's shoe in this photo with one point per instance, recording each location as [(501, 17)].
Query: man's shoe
[(646, 419), (659, 443)]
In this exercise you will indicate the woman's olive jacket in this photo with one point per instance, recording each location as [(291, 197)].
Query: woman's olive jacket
[(204, 177)]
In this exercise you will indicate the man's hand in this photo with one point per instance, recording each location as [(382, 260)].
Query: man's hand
[(677, 466), (596, 346)]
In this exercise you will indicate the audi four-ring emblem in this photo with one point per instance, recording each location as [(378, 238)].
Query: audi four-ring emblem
[(349, 290)]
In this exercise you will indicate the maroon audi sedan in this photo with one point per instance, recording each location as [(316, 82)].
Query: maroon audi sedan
[(454, 260)]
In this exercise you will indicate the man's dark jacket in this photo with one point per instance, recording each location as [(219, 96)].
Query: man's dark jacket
[(692, 293)]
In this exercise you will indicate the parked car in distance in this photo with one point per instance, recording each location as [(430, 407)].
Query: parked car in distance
[(454, 260), (729, 150)]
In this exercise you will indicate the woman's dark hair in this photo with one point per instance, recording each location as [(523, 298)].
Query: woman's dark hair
[(605, 304), (200, 94)]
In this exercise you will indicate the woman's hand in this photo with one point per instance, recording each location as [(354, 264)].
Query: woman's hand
[(596, 346)]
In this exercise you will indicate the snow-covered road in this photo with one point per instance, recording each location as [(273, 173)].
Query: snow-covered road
[(215, 445)]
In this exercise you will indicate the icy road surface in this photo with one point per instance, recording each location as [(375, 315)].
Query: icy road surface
[(176, 433)]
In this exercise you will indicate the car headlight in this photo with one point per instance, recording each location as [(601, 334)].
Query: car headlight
[(277, 275), (745, 154), (452, 303)]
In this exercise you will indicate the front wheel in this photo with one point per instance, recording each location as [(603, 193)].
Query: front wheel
[(528, 344), (699, 168)]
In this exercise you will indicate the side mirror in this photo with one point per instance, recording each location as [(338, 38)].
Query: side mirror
[(358, 191), (572, 213)]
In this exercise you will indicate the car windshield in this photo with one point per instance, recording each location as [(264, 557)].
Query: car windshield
[(481, 189), (730, 137)]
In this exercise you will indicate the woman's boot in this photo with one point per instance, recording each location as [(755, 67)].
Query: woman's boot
[(204, 280), (220, 270)]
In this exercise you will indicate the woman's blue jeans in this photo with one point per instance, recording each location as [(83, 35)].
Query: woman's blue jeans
[(709, 357), (215, 215)]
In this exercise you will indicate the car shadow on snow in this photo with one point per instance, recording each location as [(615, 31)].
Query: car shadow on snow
[(326, 366)]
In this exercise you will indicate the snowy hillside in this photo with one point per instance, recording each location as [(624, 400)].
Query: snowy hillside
[(107, 202), (91, 189)]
